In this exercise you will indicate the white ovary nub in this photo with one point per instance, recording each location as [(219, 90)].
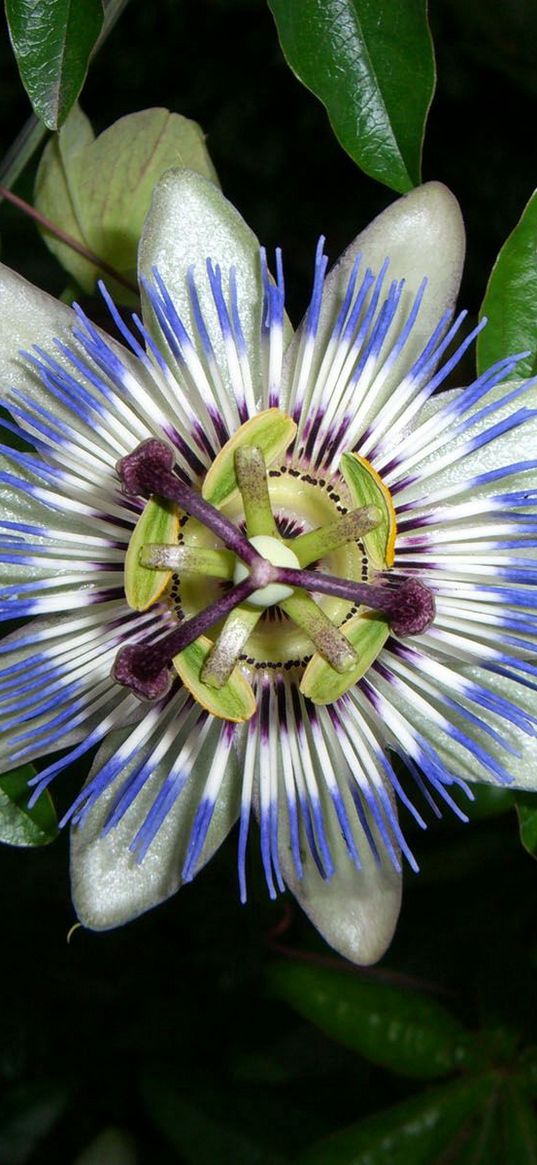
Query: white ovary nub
[(279, 555)]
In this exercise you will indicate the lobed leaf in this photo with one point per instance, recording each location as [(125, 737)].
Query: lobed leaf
[(429, 1128), (526, 807)]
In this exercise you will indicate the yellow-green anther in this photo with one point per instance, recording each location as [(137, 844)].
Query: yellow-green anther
[(159, 521), (234, 700), (366, 487), (229, 645), (272, 431), (322, 683), (188, 560), (251, 474), (330, 643), (349, 528)]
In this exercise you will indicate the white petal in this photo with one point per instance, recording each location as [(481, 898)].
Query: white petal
[(29, 316), (422, 235), (523, 768), (356, 911), (517, 444), (109, 887), (190, 222), (458, 759)]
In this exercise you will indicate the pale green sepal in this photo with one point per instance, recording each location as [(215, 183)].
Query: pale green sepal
[(190, 222), (422, 235), (233, 701), (22, 652), (520, 765), (355, 910), (109, 887), (366, 488), (367, 633), (271, 431), (53, 196), (159, 522), (107, 183), (516, 444)]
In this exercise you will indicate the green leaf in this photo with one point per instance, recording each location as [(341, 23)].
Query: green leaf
[(53, 42), (20, 825), (398, 1029), (510, 302), (99, 189), (371, 64), (519, 1126), (526, 807), (416, 1132), (207, 1126), (113, 1146)]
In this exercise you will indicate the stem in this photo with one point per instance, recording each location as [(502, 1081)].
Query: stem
[(22, 149), (71, 242)]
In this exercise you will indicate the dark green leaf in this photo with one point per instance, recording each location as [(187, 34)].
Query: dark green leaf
[(400, 1029), (52, 42), (520, 1127), (415, 1132), (207, 1126), (510, 302), (482, 1141), (371, 64), (526, 807), (20, 825)]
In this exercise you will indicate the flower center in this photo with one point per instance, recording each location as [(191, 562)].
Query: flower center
[(254, 591), (276, 553)]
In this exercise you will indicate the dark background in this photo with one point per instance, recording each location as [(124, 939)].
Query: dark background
[(172, 1012)]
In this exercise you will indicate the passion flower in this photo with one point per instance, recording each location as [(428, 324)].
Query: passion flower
[(259, 567)]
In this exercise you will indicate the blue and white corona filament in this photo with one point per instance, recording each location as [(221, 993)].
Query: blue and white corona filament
[(256, 568)]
